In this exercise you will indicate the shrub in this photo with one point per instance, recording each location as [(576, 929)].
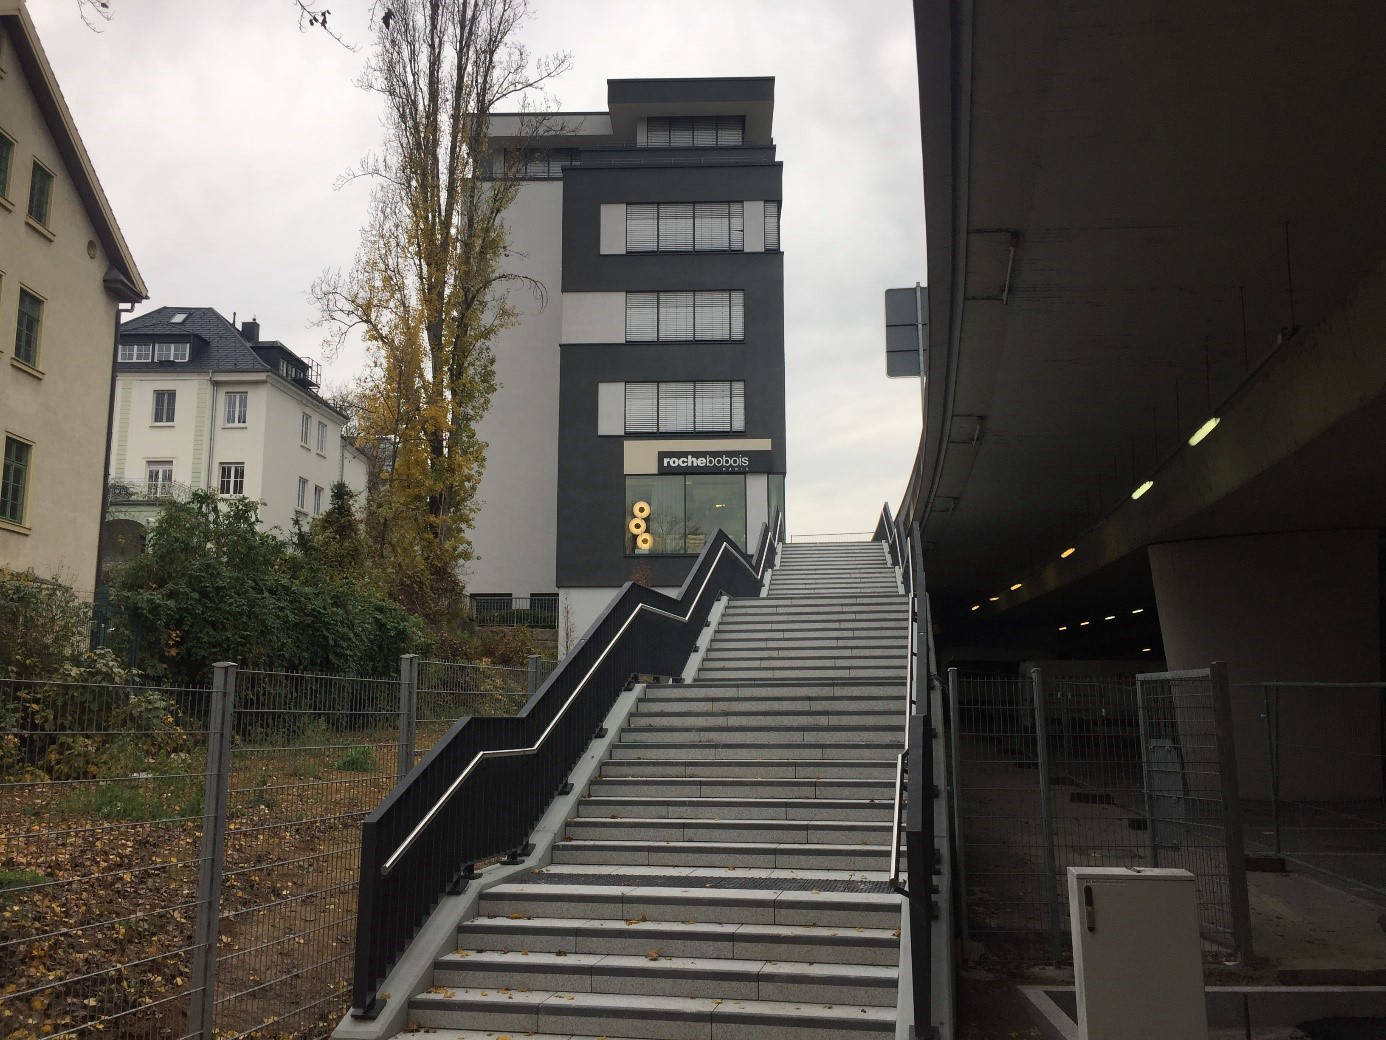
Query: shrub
[(358, 759)]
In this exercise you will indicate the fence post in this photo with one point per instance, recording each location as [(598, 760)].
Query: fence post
[(1051, 866), (1231, 810), (954, 717), (1152, 853), (532, 674), (408, 713), (1273, 752), (202, 1007)]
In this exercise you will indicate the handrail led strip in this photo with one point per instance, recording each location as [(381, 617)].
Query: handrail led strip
[(512, 752)]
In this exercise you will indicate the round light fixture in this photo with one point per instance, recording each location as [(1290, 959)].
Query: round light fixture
[(636, 525), (644, 541), (640, 509)]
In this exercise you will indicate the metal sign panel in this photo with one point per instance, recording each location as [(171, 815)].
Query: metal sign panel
[(906, 316), (718, 461)]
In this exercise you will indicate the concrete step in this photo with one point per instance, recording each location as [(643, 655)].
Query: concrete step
[(771, 704), (866, 638), (882, 768), (803, 655), (651, 1017), (847, 733), (737, 906), (812, 832), (702, 787), (885, 749), (801, 673), (789, 855), (740, 717), (741, 806), (720, 939), (655, 973), (755, 689)]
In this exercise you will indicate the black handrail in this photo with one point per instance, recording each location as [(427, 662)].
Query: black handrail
[(914, 775), (480, 791)]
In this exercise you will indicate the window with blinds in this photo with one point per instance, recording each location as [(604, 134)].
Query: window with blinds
[(685, 227), (695, 131), (535, 164), (772, 225), (683, 316), (686, 407)]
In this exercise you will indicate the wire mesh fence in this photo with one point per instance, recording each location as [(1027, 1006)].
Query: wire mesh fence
[(1060, 771), (180, 862), (1313, 777), (101, 815)]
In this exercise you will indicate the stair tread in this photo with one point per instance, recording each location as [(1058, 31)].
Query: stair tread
[(535, 961), (662, 1006)]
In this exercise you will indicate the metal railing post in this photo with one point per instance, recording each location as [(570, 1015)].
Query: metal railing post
[(1152, 852), (955, 770), (212, 856), (1051, 866), (532, 675), (1273, 753), (1234, 836), (408, 713)]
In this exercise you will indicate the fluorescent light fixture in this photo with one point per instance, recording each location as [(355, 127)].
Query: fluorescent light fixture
[(1142, 489), (976, 606), (1083, 623), (1068, 552), (993, 599), (1110, 617), (1203, 431), (1145, 649), (1016, 586), (1063, 628), (1138, 610)]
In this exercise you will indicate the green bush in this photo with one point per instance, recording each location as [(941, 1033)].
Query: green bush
[(359, 759)]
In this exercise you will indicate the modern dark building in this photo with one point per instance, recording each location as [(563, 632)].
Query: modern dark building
[(641, 405)]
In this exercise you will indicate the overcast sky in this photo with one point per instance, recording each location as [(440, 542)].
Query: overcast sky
[(218, 130)]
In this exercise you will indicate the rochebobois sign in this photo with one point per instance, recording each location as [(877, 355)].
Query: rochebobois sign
[(714, 461)]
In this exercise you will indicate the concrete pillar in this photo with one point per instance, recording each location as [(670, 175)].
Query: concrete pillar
[(1290, 607)]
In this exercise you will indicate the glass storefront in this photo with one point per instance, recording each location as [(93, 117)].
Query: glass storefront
[(681, 513)]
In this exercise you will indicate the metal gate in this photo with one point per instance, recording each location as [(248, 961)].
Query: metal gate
[(1051, 771)]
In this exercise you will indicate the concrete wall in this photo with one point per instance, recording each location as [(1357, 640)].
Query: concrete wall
[(514, 533), (61, 406), (1302, 606), (579, 607), (285, 459)]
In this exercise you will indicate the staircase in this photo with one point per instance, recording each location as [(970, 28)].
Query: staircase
[(724, 877)]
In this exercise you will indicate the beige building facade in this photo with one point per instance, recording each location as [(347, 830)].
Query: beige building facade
[(65, 271)]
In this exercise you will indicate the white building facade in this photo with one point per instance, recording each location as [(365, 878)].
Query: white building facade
[(201, 404)]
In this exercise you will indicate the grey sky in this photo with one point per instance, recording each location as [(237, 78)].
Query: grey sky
[(218, 131)]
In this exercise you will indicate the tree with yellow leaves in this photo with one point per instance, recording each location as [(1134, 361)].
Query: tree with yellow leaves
[(429, 289)]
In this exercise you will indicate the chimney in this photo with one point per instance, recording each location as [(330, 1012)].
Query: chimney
[(250, 330)]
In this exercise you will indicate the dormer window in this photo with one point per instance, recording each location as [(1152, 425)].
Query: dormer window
[(170, 352), (136, 352)]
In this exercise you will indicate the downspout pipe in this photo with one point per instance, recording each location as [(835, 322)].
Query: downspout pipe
[(121, 308)]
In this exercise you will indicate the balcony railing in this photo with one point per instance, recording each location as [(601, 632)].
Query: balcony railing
[(140, 492), (513, 611)]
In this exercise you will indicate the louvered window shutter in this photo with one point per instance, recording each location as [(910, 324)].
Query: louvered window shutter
[(714, 316), (642, 228), (657, 132), (676, 227), (730, 131), (738, 407), (705, 132), (676, 316), (713, 402), (642, 408), (712, 226), (642, 317), (772, 225), (738, 315), (736, 231), (681, 133), (676, 408)]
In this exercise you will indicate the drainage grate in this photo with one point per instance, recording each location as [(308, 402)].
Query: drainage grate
[(684, 881)]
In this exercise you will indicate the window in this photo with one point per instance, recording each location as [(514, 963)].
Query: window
[(685, 227), (178, 318), (705, 407), (685, 511), (322, 438), (28, 327), (236, 405), (772, 226), (163, 405), (305, 429), (317, 499), (302, 492), (233, 478), (136, 352), (159, 476), (6, 161), (695, 131), (684, 316), (533, 164), (14, 480), (170, 352), (40, 193)]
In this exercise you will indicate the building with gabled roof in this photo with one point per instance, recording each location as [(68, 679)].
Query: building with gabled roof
[(203, 404), (65, 272)]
